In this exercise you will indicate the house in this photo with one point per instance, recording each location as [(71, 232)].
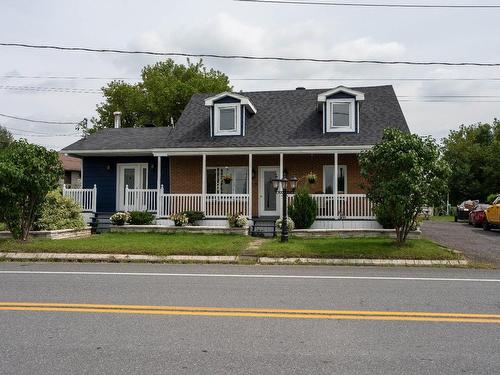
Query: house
[(225, 149), (72, 170)]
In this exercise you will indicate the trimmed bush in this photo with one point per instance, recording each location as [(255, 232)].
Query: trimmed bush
[(290, 224), (58, 212), (141, 218), (384, 217), (194, 216), (237, 220), (303, 209), (120, 218)]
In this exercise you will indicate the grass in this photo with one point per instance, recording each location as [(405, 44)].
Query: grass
[(355, 248), (136, 243), (443, 218)]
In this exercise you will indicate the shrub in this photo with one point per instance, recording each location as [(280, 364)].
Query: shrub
[(491, 198), (238, 220), (384, 216), (58, 212), (120, 218), (303, 209), (179, 219), (290, 224), (141, 218), (194, 216)]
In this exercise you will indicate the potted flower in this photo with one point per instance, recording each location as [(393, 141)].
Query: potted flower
[(311, 178), (289, 221), (237, 221), (227, 178), (120, 218), (179, 219)]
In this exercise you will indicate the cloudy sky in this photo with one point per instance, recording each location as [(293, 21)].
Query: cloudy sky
[(229, 27)]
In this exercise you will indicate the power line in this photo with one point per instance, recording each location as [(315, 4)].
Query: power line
[(320, 79), (373, 5), (36, 133), (39, 121), (52, 89), (249, 57)]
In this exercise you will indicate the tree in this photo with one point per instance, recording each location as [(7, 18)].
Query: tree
[(28, 172), (404, 173), (472, 152), (5, 138), (160, 97)]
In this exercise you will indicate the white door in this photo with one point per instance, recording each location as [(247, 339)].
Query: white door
[(268, 198), (135, 176)]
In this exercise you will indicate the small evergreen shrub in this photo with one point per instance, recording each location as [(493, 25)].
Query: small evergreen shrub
[(303, 209), (194, 216), (58, 212), (141, 218), (120, 218), (384, 217)]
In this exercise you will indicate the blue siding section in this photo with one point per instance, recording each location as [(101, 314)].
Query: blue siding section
[(95, 172), (227, 99)]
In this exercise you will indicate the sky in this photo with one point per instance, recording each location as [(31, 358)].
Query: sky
[(230, 27)]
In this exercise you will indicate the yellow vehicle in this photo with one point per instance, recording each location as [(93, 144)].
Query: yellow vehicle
[(492, 219)]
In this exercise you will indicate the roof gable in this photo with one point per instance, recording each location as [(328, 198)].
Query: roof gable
[(341, 89)]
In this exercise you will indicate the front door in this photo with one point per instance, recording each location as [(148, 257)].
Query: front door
[(135, 176), (268, 199)]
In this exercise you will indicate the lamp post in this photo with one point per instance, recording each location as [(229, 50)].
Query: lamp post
[(281, 187)]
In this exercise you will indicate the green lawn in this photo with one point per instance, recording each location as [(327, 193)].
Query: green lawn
[(443, 218), (137, 243), (355, 248)]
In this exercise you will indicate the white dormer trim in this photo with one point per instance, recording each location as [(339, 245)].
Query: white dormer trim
[(209, 102), (357, 94)]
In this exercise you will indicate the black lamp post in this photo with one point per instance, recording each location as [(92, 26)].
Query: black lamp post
[(281, 187)]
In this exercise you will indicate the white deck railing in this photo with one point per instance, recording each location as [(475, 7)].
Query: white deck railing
[(214, 205), (85, 198), (345, 206), (141, 199)]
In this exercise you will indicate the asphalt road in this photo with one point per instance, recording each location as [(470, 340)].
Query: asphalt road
[(475, 243), (123, 342)]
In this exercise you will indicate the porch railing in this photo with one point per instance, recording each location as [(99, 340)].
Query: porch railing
[(214, 205), (342, 206), (85, 198), (141, 199)]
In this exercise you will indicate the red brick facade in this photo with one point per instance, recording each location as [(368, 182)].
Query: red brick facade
[(186, 171)]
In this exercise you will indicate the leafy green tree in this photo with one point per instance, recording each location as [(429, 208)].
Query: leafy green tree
[(404, 173), (27, 173), (5, 138), (159, 97), (472, 153)]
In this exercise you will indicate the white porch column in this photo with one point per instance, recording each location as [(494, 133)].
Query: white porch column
[(279, 202), (335, 186), (204, 183), (250, 162), (158, 186)]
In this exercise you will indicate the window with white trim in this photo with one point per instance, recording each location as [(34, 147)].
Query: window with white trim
[(340, 116), (227, 119), (329, 178), (227, 180)]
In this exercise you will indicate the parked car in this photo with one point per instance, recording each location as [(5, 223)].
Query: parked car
[(463, 210), (476, 216), (492, 215)]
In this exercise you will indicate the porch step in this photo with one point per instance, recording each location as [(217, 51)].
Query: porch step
[(263, 227), (101, 222)]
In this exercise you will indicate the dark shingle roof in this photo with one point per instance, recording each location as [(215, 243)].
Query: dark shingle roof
[(283, 119)]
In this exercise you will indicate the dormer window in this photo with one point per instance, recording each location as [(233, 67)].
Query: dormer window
[(340, 115), (340, 108), (228, 114), (227, 119)]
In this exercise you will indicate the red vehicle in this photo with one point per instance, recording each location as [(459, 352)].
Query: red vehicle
[(477, 215)]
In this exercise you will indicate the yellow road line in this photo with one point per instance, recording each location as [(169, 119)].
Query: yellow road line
[(249, 310), (252, 312)]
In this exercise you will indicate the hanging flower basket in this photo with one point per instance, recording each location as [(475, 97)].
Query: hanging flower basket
[(311, 178), (227, 178)]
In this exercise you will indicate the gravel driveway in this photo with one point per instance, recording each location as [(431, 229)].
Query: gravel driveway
[(474, 243)]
